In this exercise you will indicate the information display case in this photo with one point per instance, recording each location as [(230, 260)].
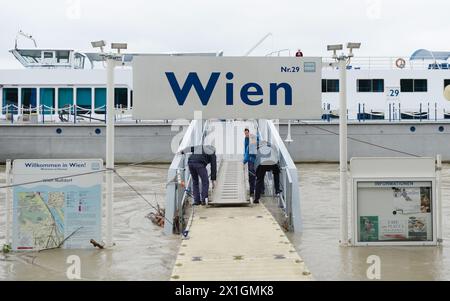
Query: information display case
[(394, 201)]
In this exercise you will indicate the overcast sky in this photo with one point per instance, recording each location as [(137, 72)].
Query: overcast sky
[(385, 27)]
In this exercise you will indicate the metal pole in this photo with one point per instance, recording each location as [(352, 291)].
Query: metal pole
[(8, 203), (343, 168), (439, 197), (109, 151)]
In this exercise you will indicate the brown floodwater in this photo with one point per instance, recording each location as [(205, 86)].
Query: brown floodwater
[(143, 252)]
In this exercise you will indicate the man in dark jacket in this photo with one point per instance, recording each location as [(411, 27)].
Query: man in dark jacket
[(200, 157), (267, 159)]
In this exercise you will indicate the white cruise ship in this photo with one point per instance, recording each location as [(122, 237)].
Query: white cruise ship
[(69, 86)]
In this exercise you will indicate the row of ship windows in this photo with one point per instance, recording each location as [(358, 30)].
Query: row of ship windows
[(377, 85), (65, 98)]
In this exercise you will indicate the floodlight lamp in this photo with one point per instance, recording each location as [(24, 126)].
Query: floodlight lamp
[(353, 45), (98, 44), (119, 46), (335, 47)]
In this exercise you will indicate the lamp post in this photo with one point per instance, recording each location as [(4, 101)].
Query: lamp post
[(112, 60), (341, 62)]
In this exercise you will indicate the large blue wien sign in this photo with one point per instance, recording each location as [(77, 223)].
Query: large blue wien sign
[(226, 87)]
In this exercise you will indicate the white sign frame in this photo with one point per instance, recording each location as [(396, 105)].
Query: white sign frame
[(390, 171), (60, 178), (156, 78)]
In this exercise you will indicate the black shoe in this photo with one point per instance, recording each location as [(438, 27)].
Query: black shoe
[(279, 191), (196, 204), (256, 202)]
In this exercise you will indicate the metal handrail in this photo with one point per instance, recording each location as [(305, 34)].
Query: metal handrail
[(178, 173)]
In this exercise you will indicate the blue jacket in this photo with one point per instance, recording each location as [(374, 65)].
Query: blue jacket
[(250, 150)]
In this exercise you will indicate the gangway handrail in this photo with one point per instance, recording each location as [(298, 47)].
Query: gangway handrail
[(179, 178)]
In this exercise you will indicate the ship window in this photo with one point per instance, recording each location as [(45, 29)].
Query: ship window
[(10, 99), (30, 56), (407, 85), (84, 98), (47, 100), (100, 100), (364, 85), (420, 85), (121, 97), (62, 56), (131, 98), (29, 97), (414, 85), (446, 83), (65, 97), (378, 85), (79, 61), (330, 85), (370, 85), (48, 55)]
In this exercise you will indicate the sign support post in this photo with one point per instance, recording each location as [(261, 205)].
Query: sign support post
[(8, 203), (111, 64), (343, 165)]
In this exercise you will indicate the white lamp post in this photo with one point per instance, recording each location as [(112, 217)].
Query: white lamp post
[(341, 62), (112, 60)]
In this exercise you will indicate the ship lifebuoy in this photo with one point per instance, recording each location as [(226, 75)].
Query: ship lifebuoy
[(400, 63)]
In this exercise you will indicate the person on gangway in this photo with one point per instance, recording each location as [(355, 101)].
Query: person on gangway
[(250, 145), (299, 53), (200, 157), (267, 159)]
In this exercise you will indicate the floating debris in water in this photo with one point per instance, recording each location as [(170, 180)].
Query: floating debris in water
[(96, 244), (157, 217)]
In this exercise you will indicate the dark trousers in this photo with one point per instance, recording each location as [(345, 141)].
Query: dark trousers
[(198, 170), (261, 173), (251, 177)]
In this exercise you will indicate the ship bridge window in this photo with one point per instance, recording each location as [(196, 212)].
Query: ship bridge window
[(370, 85), (29, 96), (121, 97), (10, 100), (62, 56), (31, 56), (48, 55), (413, 85), (47, 100), (330, 85), (65, 97), (79, 61)]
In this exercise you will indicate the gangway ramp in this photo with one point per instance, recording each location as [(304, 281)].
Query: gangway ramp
[(231, 238), (237, 243), (231, 185)]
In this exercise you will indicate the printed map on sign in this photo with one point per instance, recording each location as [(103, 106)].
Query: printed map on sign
[(41, 219)]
